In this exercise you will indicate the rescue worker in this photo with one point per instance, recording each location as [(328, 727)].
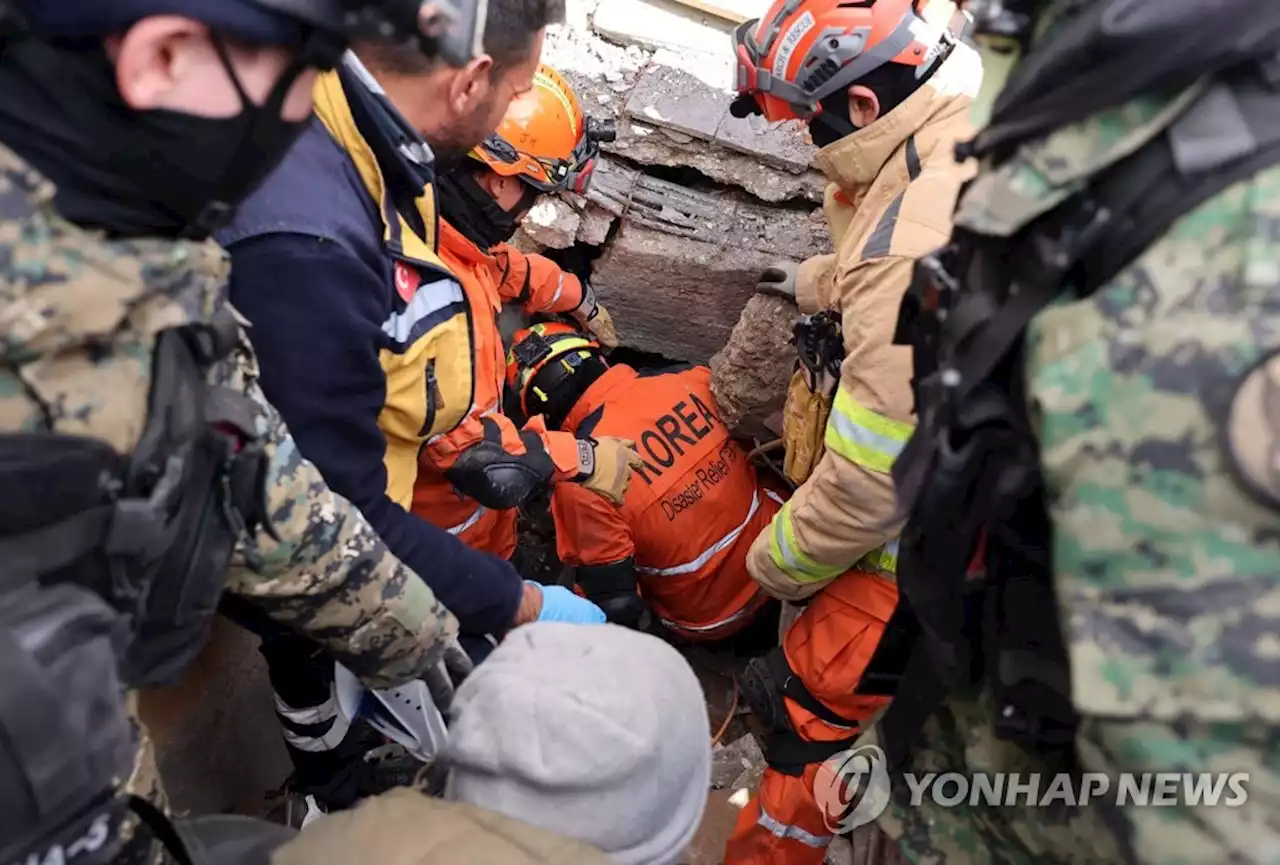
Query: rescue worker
[(142, 465), (886, 96), (367, 349), (482, 201), (681, 538), (1110, 419)]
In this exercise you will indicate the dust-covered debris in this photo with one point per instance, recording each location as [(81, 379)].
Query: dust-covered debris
[(552, 222), (737, 764), (655, 24), (749, 376), (691, 203)]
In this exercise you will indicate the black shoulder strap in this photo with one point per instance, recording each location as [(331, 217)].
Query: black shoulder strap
[(1087, 243)]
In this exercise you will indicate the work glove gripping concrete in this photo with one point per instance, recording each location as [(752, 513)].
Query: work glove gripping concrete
[(595, 319), (779, 279)]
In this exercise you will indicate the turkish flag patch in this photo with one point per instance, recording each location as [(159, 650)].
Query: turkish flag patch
[(407, 281)]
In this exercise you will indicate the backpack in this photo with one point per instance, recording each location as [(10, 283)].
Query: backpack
[(151, 532)]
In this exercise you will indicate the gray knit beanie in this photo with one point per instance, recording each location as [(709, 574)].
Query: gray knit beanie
[(596, 732)]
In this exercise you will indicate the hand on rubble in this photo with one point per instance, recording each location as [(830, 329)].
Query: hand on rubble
[(595, 319), (779, 279), (605, 466)]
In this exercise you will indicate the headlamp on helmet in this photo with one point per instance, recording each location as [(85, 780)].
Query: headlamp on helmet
[(545, 139)]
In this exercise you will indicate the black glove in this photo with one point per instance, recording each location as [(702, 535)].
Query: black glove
[(612, 588)]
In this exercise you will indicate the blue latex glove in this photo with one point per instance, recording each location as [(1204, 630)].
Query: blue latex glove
[(561, 605)]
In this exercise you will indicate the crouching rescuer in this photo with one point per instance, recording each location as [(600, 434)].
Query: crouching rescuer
[(694, 505), (472, 478), (886, 96)]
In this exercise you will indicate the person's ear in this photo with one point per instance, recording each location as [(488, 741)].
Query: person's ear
[(470, 85), (864, 106), (491, 182), (153, 56)]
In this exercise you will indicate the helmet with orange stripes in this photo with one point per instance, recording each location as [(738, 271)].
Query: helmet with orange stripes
[(802, 51), (545, 139), (549, 366)]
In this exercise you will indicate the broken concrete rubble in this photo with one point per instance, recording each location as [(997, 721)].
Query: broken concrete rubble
[(552, 222), (657, 24), (674, 295), (636, 87), (681, 245), (749, 375), (737, 764), (684, 262)]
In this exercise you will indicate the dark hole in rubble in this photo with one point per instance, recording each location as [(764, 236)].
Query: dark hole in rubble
[(580, 258), (685, 176)]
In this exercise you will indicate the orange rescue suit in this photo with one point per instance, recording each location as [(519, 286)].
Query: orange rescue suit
[(691, 511), (504, 274)]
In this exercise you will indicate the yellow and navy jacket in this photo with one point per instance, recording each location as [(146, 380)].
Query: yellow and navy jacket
[(364, 338)]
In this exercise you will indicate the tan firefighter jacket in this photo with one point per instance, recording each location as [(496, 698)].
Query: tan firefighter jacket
[(893, 187)]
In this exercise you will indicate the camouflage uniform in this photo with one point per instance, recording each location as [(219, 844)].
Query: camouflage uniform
[(1154, 405), (78, 320)]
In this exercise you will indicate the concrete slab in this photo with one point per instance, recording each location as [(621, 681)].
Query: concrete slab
[(783, 145), (729, 167), (673, 98), (674, 295), (785, 233), (657, 24)]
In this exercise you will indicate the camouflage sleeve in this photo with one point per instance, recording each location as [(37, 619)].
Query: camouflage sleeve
[(328, 575), (1157, 406)]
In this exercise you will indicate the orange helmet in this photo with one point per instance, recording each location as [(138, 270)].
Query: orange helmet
[(544, 139), (543, 358), (802, 51)]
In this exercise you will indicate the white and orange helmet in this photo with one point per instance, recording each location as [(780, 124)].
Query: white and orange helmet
[(802, 51)]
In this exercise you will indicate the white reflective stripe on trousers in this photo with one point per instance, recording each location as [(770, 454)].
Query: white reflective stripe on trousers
[(786, 831), (469, 522), (311, 716), (326, 711), (707, 554), (700, 629)]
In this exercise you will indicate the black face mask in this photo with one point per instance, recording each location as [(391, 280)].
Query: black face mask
[(471, 210), (892, 83), (134, 174)]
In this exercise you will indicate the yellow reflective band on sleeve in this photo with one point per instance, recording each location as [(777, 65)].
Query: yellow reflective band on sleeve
[(884, 559), (787, 555), (863, 437)]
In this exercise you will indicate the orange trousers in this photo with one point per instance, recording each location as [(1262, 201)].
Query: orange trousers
[(828, 648)]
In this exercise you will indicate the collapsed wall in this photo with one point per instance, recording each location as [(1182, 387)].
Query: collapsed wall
[(689, 204)]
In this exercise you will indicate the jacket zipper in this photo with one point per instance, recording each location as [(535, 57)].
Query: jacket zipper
[(432, 384), (435, 399)]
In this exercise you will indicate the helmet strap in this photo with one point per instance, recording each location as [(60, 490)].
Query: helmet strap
[(893, 84), (554, 391), (466, 205)]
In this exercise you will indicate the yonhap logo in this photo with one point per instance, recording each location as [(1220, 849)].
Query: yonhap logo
[(852, 788)]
